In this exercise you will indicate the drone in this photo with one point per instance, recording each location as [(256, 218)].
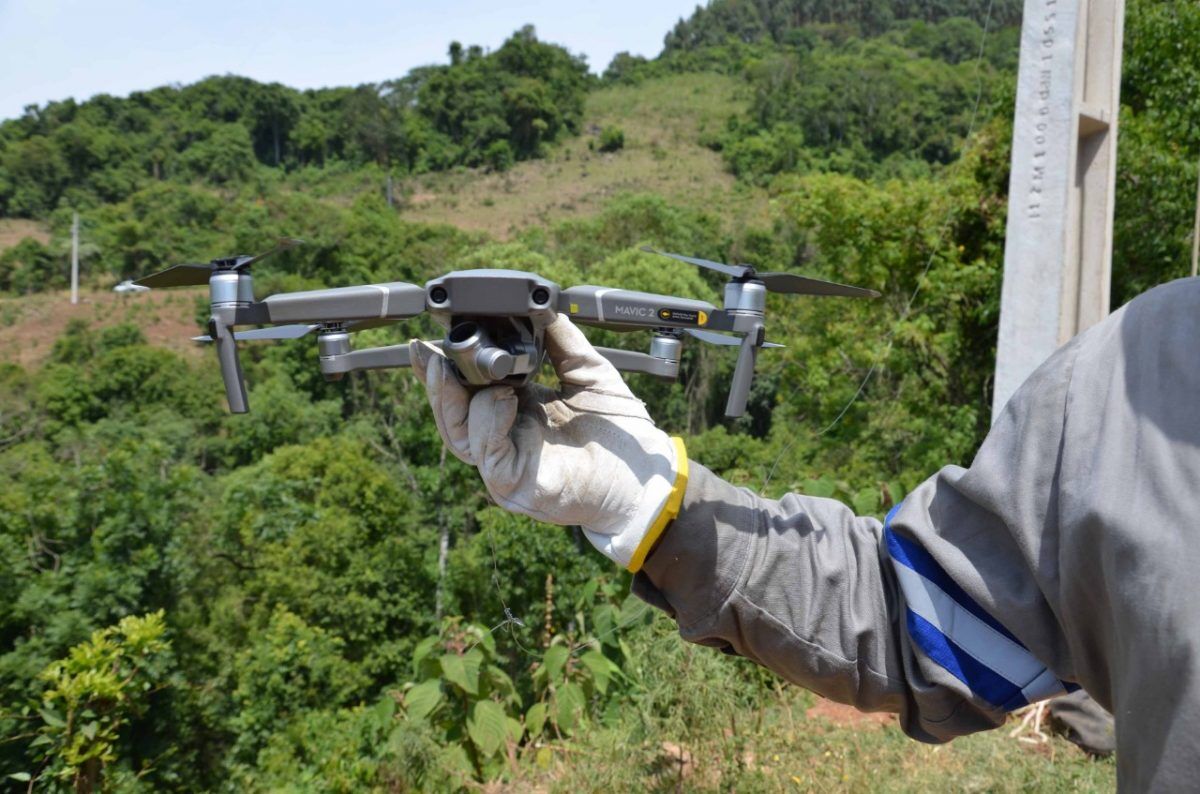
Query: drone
[(494, 319)]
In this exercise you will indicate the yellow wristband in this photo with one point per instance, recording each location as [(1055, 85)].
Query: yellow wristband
[(669, 512)]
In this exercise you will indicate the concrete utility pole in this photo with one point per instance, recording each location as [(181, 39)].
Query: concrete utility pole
[(75, 259), (1058, 247)]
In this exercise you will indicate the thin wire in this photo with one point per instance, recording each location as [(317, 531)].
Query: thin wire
[(510, 620), (891, 335)]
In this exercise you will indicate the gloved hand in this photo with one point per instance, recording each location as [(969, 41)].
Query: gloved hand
[(587, 454)]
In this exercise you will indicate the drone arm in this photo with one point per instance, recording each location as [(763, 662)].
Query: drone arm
[(632, 361), (607, 306), (397, 301), (371, 358)]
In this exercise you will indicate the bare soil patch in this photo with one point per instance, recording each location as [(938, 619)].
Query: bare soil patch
[(14, 230), (30, 324), (848, 716)]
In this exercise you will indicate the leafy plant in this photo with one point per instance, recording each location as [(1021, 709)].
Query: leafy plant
[(612, 139), (461, 691), (94, 694)]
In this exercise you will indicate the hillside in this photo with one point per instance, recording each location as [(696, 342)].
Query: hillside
[(664, 121)]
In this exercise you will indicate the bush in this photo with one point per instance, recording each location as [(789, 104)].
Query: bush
[(499, 156), (612, 139)]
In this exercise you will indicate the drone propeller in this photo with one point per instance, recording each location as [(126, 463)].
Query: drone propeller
[(714, 338), (194, 275), (295, 331), (788, 283), (273, 332)]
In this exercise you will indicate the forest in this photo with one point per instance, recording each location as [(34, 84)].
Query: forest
[(314, 596)]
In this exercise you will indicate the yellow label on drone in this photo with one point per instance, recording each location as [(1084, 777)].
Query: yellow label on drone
[(702, 318), (574, 308)]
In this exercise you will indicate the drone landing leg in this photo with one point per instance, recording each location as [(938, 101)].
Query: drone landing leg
[(231, 367)]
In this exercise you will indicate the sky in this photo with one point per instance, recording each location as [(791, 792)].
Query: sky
[(54, 49)]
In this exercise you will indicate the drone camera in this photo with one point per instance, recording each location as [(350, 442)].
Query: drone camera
[(478, 359)]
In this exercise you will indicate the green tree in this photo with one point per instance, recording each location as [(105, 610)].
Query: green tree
[(93, 696)]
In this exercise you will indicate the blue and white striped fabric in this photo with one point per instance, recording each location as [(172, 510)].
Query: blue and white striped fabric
[(956, 633)]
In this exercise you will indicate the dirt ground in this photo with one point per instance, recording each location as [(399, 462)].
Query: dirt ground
[(30, 324), (847, 716), (14, 230)]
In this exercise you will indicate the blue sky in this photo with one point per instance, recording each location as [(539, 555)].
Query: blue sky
[(54, 49)]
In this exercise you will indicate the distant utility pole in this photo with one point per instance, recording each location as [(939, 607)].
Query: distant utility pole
[(75, 259), (1058, 244)]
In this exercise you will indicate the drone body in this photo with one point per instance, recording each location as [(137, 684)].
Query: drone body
[(493, 319)]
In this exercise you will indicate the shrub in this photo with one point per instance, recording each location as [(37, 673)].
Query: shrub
[(612, 139)]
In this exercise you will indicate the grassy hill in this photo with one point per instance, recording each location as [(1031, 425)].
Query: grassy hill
[(664, 121)]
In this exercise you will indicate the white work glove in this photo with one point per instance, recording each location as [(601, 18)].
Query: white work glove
[(587, 454)]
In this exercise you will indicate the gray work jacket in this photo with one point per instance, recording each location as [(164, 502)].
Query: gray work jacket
[(1067, 554)]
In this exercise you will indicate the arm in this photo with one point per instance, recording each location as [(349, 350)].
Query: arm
[(801, 586), (915, 618)]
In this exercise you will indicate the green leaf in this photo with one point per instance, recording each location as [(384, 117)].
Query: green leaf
[(569, 705), (23, 777), (535, 719), (455, 758), (822, 488), (89, 730), (487, 726), (515, 729), (422, 699), (633, 610), (600, 667), (460, 671), (485, 639), (589, 592), (554, 661), (604, 618), (423, 649), (52, 718), (866, 501)]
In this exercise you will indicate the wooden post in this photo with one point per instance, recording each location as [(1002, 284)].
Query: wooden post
[(1058, 246)]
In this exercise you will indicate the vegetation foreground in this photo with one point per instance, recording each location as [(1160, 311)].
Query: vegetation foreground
[(314, 596)]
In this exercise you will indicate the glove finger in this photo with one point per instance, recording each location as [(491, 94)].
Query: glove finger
[(451, 403), (492, 416), (418, 358), (577, 363)]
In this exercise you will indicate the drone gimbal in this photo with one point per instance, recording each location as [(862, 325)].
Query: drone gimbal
[(494, 320)]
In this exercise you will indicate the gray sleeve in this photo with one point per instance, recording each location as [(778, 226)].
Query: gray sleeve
[(801, 586), (807, 589), (1069, 546)]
